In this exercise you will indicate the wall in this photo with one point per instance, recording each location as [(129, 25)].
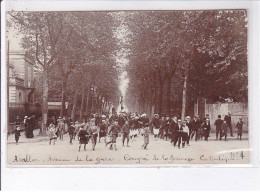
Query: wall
[(237, 110)]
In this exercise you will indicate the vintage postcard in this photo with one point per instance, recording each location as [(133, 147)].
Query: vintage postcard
[(127, 88)]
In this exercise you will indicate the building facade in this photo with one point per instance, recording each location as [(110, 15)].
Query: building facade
[(21, 85)]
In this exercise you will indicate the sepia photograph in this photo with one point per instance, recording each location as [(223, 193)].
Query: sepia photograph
[(127, 88)]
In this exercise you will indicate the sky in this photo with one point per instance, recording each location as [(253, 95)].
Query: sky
[(122, 61)]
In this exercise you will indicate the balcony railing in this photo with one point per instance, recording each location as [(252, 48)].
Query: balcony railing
[(16, 81)]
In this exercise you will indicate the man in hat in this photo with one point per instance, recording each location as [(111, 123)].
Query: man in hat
[(206, 129), (125, 131), (227, 118), (218, 124), (196, 124), (172, 126), (166, 126), (177, 134)]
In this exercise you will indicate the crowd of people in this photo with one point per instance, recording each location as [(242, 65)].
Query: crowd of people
[(130, 126)]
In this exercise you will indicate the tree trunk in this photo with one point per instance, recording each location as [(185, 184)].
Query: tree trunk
[(63, 96), (81, 114), (73, 112), (87, 101), (155, 102), (160, 98), (92, 104), (184, 94), (169, 95), (44, 103)]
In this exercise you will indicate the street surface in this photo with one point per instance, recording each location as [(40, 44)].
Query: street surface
[(37, 151)]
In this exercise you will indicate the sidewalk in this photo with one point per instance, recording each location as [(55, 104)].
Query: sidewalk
[(23, 139)]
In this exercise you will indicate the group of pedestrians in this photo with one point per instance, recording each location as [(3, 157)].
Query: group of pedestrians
[(29, 125), (130, 126), (180, 132)]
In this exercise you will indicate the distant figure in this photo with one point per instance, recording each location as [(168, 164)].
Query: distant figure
[(228, 121), (239, 128), (218, 124)]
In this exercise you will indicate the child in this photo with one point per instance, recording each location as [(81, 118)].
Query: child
[(52, 133), (61, 128), (224, 129), (76, 127), (114, 131), (83, 137), (185, 133), (17, 129), (17, 134), (93, 130), (239, 128), (156, 133), (146, 136)]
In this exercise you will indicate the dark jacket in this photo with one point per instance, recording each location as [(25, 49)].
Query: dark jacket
[(228, 119), (206, 126), (218, 124), (156, 122), (178, 128), (196, 124), (114, 130), (172, 126), (126, 128)]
